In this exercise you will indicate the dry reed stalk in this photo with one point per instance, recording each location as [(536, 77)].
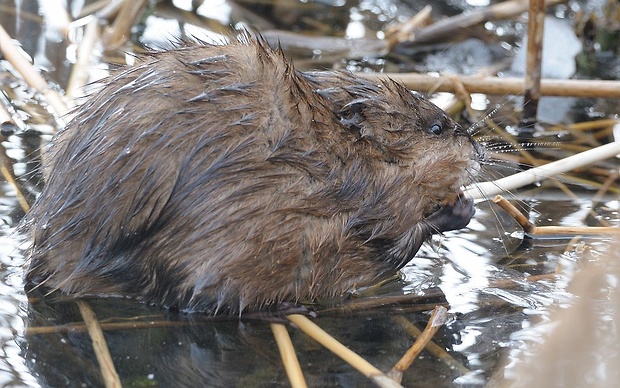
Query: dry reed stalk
[(118, 33), (534, 230), (23, 15), (30, 74), (100, 7), (6, 173), (289, 358), (605, 187), (504, 86), (485, 190), (452, 25), (437, 319), (432, 347), (79, 74), (6, 168), (352, 358), (586, 125), (405, 31), (533, 70), (106, 365), (5, 116)]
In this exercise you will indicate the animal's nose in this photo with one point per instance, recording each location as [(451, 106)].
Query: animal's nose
[(480, 151)]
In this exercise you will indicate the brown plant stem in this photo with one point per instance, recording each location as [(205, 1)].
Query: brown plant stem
[(535, 32), (437, 319), (352, 358), (534, 230), (453, 25), (30, 74), (289, 358), (108, 371), (504, 86)]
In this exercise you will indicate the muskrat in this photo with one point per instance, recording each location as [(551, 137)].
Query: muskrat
[(218, 178)]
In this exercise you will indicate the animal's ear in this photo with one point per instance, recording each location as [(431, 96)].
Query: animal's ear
[(363, 115), (352, 115)]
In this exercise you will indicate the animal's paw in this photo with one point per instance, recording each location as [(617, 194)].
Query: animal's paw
[(278, 313), (453, 216)]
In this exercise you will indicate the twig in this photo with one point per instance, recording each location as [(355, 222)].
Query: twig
[(529, 158), (605, 187), (55, 17), (437, 319), (5, 116), (452, 25), (373, 302), (289, 358), (357, 362), (328, 45), (23, 14), (30, 74), (95, 7), (586, 125), (118, 33), (108, 326), (8, 114), (79, 73), (110, 377), (534, 230), (405, 31), (504, 86), (6, 167), (593, 171), (9, 178), (487, 189)]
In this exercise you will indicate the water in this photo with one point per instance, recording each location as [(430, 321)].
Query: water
[(479, 273)]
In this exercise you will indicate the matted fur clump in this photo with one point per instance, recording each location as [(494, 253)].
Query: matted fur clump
[(218, 178)]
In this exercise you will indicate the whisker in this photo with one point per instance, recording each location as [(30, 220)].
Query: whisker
[(476, 127)]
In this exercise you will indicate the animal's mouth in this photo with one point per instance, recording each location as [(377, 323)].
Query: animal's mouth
[(448, 201), (452, 198), (469, 175), (474, 168)]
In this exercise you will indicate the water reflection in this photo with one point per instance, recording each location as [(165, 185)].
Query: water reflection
[(13, 319), (577, 343), (181, 353), (182, 350)]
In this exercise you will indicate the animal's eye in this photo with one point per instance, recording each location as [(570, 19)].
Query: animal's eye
[(436, 128)]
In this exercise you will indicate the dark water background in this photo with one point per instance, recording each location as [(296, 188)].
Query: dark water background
[(481, 270)]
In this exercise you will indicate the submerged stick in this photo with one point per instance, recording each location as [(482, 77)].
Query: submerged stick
[(289, 358), (110, 377), (352, 358), (534, 230), (485, 190), (437, 319), (432, 347)]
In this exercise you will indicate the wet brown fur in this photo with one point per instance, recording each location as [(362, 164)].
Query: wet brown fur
[(219, 178)]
